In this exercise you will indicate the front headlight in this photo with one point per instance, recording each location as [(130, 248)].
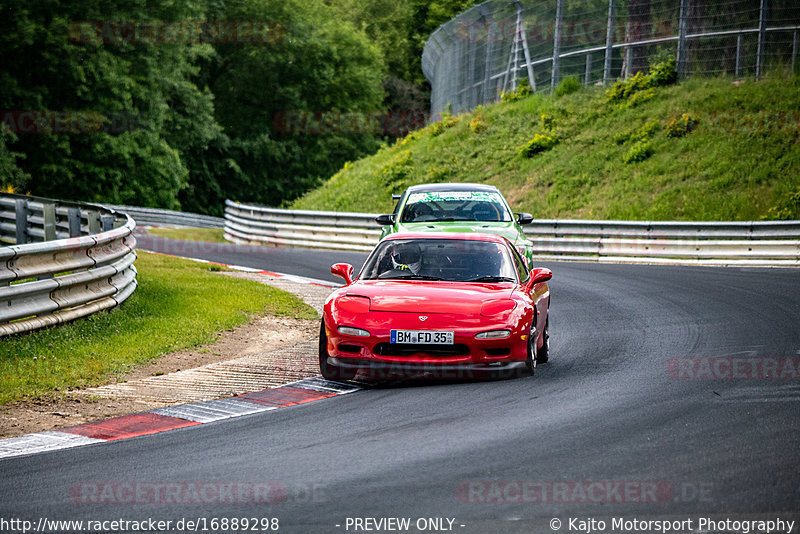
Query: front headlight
[(493, 334), (352, 331)]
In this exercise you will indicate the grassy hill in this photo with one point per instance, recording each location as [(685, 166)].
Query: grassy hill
[(704, 149)]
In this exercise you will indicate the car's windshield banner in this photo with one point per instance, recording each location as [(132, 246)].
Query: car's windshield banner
[(464, 196)]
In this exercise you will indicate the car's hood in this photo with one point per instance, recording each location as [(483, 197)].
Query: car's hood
[(504, 229), (429, 297)]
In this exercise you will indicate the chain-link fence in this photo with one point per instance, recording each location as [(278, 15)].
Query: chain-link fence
[(489, 48)]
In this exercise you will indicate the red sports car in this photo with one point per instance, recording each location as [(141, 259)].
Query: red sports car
[(446, 305)]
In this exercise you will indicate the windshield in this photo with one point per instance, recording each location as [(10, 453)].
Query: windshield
[(485, 206), (455, 260)]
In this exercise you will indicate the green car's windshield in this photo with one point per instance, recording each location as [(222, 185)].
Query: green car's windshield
[(450, 206), (454, 260)]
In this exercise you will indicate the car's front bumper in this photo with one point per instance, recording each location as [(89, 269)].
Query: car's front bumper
[(377, 369)]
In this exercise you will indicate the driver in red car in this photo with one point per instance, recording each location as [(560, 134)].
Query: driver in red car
[(407, 257)]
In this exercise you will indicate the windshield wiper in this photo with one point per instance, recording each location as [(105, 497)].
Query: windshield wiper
[(492, 279)]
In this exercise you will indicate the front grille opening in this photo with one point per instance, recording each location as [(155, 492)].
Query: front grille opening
[(504, 351), (397, 349), (349, 348)]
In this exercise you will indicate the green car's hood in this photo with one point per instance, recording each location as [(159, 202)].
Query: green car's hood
[(505, 229)]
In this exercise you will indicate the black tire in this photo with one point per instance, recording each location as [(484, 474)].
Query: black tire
[(533, 357), (330, 372), (543, 354)]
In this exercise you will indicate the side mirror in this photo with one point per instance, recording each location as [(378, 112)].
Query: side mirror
[(524, 218), (385, 220), (343, 270), (539, 275)]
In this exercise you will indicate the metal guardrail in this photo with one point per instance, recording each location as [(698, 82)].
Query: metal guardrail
[(169, 218), (760, 243), (246, 223), (62, 261)]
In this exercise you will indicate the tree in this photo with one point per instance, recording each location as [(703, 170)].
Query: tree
[(317, 67), (111, 115)]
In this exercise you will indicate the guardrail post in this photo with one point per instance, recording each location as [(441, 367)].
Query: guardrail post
[(21, 208), (762, 31), (680, 60), (49, 216), (74, 222), (95, 226), (609, 44), (107, 222), (738, 55), (554, 79)]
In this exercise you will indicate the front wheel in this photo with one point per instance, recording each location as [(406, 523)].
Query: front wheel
[(330, 372), (532, 359), (543, 354)]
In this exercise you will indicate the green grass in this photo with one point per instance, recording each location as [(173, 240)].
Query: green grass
[(212, 235), (609, 160), (179, 304)]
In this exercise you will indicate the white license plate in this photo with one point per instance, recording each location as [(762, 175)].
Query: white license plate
[(423, 337)]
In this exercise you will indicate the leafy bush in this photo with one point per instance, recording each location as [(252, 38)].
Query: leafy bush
[(523, 90), (478, 123), (547, 122), (568, 85), (622, 138), (645, 133), (539, 143), (639, 152), (649, 129), (680, 126), (448, 121), (660, 74), (663, 73), (639, 97)]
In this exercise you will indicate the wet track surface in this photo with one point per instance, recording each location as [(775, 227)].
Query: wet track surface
[(654, 405)]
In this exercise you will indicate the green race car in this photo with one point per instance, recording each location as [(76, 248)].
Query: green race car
[(457, 208)]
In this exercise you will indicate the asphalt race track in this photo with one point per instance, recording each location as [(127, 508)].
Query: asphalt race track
[(654, 406)]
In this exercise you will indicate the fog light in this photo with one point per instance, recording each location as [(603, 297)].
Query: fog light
[(351, 331), (493, 334)]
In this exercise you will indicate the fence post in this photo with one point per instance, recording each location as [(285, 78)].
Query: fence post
[(609, 44), (74, 222), (524, 38), (21, 218), (588, 76), (488, 94), (628, 60), (554, 79), (49, 216), (762, 30), (680, 60), (738, 55)]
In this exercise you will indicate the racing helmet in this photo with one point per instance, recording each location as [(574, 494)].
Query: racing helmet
[(406, 256)]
